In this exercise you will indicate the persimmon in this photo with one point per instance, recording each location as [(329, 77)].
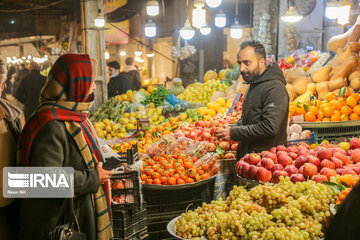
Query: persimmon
[(176, 176), (180, 181), (188, 164), (143, 176), (189, 180), (163, 179), (149, 181), (171, 181), (157, 181), (314, 110), (330, 96)]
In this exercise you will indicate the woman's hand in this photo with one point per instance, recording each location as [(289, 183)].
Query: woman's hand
[(103, 174)]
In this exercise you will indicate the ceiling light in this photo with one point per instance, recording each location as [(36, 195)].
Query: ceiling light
[(205, 30), (122, 53), (213, 3), (236, 30), (331, 11), (344, 12), (220, 19), (150, 29), (152, 8), (107, 55), (150, 55), (199, 14), (138, 52), (187, 32), (99, 20), (291, 16)]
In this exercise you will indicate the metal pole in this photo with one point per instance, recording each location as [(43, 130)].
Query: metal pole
[(277, 32), (201, 59), (83, 31)]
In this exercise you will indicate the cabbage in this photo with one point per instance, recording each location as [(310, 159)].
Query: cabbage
[(138, 97)]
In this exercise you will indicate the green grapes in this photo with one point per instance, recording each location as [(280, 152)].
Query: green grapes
[(283, 211)]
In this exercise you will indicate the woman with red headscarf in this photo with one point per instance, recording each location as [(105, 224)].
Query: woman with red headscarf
[(59, 134)]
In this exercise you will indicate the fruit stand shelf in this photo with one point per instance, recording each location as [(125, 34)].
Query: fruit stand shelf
[(350, 123)]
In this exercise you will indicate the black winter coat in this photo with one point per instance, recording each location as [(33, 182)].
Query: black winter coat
[(265, 114), (134, 77), (118, 85)]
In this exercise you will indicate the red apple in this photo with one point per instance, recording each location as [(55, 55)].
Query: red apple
[(234, 146), (238, 166), (277, 174), (345, 159), (339, 171), (297, 178), (349, 171), (280, 148), (338, 163), (355, 143), (327, 172), (271, 155), (276, 167), (273, 149), (310, 170), (355, 155), (225, 145), (210, 147), (245, 170), (327, 164), (304, 144), (349, 152), (252, 172), (254, 158), (267, 163), (285, 160), (262, 153), (263, 175), (278, 154), (291, 169), (292, 148), (259, 164), (299, 161), (356, 168), (337, 150), (247, 157), (293, 155), (301, 169), (314, 160), (303, 153), (318, 178), (324, 153)]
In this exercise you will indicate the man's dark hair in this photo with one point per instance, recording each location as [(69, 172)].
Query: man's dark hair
[(258, 48), (114, 64), (129, 61)]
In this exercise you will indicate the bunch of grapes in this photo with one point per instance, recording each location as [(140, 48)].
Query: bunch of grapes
[(283, 211)]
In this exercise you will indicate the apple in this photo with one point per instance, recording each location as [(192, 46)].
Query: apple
[(314, 160), (338, 163), (310, 170), (328, 172), (252, 172), (267, 163), (247, 157), (225, 145), (270, 155), (324, 153), (210, 147), (292, 148), (339, 171), (280, 148), (303, 153), (229, 155), (293, 155), (238, 166), (304, 144), (254, 158), (245, 170), (345, 159), (285, 160), (318, 178), (234, 147), (118, 185), (312, 152), (297, 178), (259, 164), (207, 136), (349, 171), (355, 155), (263, 175), (262, 153), (355, 143), (277, 174), (327, 164), (291, 169), (299, 161), (337, 150), (276, 167), (301, 169), (349, 152), (356, 169), (278, 154), (273, 150)]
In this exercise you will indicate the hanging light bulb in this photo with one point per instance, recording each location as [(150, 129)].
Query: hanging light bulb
[(107, 55), (213, 3), (187, 32), (331, 11), (291, 16), (199, 14), (138, 52), (99, 20), (122, 53), (150, 29), (220, 19), (205, 30), (152, 8), (150, 55), (344, 12), (236, 30)]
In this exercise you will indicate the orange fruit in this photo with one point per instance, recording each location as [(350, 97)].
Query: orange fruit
[(328, 111), (339, 104), (356, 109), (330, 96), (344, 117), (325, 105), (326, 120), (346, 110), (314, 110), (335, 118), (310, 117), (320, 115), (292, 109), (355, 95), (300, 110), (351, 101), (354, 116), (333, 102)]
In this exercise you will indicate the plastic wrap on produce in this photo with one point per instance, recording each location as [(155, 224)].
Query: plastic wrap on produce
[(324, 58), (206, 161)]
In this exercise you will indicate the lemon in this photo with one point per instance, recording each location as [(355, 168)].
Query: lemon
[(108, 136), (141, 108), (122, 135), (202, 111), (151, 105), (115, 128), (222, 110), (130, 126), (119, 135), (325, 141), (150, 88), (129, 94), (344, 145), (126, 115), (106, 121), (132, 115), (132, 121), (161, 118), (113, 134), (104, 133), (159, 110), (211, 113), (97, 125), (207, 117), (122, 130), (221, 101), (108, 128)]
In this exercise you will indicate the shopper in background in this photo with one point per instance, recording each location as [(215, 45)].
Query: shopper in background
[(9, 87), (118, 84), (21, 73), (266, 104), (28, 92), (59, 134), (10, 128), (131, 73)]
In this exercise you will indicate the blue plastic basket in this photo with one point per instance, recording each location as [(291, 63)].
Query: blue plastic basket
[(310, 140)]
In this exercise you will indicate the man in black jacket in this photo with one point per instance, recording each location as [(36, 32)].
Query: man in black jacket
[(266, 103), (118, 84), (132, 74), (28, 91)]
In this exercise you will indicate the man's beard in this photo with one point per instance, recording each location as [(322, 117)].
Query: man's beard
[(250, 76)]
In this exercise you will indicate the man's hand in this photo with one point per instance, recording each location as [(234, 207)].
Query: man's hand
[(223, 134), (103, 174)]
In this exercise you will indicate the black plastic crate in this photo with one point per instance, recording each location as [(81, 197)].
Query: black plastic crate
[(132, 233), (125, 218), (129, 157), (157, 225)]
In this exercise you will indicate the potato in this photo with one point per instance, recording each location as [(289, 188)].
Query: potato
[(300, 85), (355, 84), (336, 84)]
